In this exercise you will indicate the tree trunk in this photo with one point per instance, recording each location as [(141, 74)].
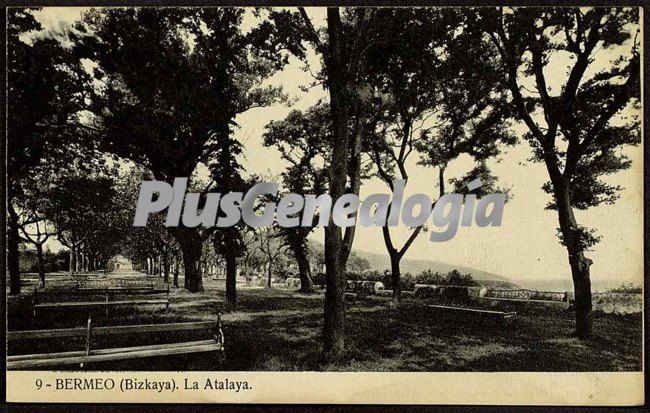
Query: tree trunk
[(13, 254), (231, 281), (79, 261), (165, 260), (41, 264), (577, 260), (582, 287), (191, 245), (306, 284), (395, 276), (191, 261), (73, 260), (176, 268), (334, 307), (269, 274), (334, 312)]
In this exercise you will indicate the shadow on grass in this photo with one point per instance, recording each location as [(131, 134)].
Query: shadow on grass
[(277, 330)]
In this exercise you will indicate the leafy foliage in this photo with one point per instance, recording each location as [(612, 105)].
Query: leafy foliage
[(453, 277), (579, 130), (45, 97)]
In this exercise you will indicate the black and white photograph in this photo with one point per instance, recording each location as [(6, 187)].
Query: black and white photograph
[(223, 191)]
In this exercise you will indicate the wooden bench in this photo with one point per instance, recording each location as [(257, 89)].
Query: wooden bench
[(106, 292), (500, 315), (89, 355)]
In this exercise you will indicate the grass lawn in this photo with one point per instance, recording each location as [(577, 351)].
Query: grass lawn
[(274, 329)]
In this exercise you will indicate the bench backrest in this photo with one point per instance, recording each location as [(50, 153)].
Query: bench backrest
[(114, 330), (87, 355), (105, 291)]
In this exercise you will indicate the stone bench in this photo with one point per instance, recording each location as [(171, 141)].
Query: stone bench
[(530, 296), (365, 287)]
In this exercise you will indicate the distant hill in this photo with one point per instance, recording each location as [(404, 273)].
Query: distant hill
[(381, 262)]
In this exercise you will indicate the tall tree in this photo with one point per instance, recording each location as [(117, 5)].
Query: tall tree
[(344, 66), (29, 208), (303, 141), (44, 97), (272, 248), (173, 81), (83, 210), (228, 243), (576, 129), (141, 244), (421, 80), (252, 258), (37, 231)]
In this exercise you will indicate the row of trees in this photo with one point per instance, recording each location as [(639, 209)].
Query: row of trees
[(161, 88), (576, 133)]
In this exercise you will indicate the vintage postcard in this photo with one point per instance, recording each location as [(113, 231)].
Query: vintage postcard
[(337, 205)]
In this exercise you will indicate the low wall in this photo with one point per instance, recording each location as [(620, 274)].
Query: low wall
[(430, 290), (292, 282), (367, 287)]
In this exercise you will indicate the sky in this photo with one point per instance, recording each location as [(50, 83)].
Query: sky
[(525, 246)]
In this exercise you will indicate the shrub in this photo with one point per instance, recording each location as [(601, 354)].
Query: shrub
[(430, 277), (629, 289), (56, 261), (456, 278), (364, 276), (453, 277), (282, 273), (110, 266), (318, 278), (407, 281)]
